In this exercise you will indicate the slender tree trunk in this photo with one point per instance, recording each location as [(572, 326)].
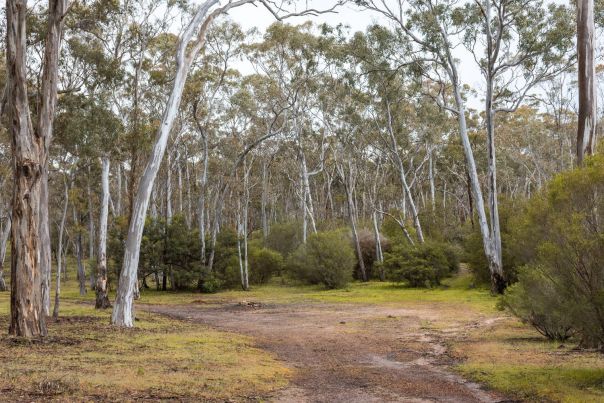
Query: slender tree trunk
[(169, 213), (27, 310), (102, 289), (55, 311), (378, 244), (78, 250), (44, 127), (118, 205), (123, 311), (497, 278), (203, 183), (587, 119), (90, 233), (45, 252), (3, 241), (403, 178), (264, 200), (432, 179)]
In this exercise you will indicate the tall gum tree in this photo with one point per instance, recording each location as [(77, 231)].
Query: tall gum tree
[(190, 43), (588, 109)]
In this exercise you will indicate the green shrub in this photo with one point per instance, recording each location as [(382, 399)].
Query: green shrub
[(284, 238), (368, 251), (327, 258), (560, 233), (264, 263), (535, 302), (423, 265), (474, 249)]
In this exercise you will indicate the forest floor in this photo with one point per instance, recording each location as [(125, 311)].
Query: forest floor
[(371, 342)]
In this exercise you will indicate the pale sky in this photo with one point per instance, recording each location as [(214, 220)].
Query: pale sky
[(249, 16)]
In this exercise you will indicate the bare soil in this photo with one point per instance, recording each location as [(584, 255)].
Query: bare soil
[(348, 352)]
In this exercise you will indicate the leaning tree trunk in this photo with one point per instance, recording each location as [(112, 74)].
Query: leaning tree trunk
[(587, 119), (102, 296), (495, 267), (3, 240), (55, 311), (27, 314), (123, 311)]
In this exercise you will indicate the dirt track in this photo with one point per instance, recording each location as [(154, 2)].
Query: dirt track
[(348, 353)]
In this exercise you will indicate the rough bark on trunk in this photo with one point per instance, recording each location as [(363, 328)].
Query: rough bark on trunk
[(102, 297), (27, 313)]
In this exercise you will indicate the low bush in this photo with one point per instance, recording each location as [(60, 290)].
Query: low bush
[(327, 258), (368, 250), (561, 234), (423, 265), (264, 263), (474, 249), (284, 238)]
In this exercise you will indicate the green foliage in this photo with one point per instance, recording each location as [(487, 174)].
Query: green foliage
[(263, 264), (560, 235), (474, 250), (422, 265), (327, 258), (226, 260), (369, 254), (535, 302), (284, 238)]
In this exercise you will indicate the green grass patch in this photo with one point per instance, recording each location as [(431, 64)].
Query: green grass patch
[(84, 358)]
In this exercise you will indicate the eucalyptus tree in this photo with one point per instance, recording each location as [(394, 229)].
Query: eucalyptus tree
[(517, 45), (30, 169), (433, 30), (588, 92), (190, 42)]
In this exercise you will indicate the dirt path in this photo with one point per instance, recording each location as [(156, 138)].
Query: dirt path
[(346, 353)]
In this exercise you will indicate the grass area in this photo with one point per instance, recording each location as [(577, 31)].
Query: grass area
[(453, 291), (162, 358), (514, 359), (86, 359)]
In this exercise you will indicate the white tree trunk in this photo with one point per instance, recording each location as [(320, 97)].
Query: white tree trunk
[(3, 241), (123, 311), (403, 178), (102, 297), (587, 119), (55, 311)]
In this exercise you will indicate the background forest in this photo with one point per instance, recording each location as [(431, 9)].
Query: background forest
[(304, 154)]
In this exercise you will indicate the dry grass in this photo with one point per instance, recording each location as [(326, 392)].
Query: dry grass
[(515, 359), (86, 359)]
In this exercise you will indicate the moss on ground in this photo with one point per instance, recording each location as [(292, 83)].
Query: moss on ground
[(163, 358), (86, 359)]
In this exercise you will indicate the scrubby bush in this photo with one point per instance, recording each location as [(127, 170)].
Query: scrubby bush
[(561, 234), (474, 254), (369, 253), (264, 263), (423, 265), (327, 258), (284, 238), (536, 302)]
